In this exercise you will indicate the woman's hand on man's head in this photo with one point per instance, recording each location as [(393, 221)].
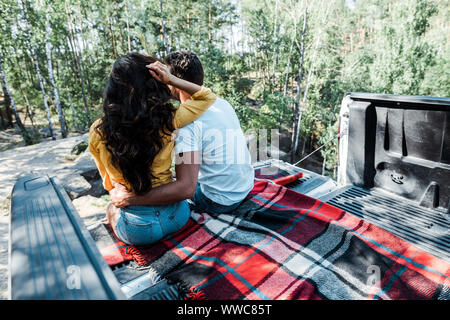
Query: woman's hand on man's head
[(160, 72)]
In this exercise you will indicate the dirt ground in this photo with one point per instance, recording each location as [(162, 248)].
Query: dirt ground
[(47, 157), (4, 223)]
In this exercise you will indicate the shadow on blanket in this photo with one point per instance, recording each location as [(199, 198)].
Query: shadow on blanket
[(280, 244)]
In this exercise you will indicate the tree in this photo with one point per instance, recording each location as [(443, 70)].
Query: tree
[(35, 61), (62, 120), (277, 68), (19, 123), (6, 119), (297, 112)]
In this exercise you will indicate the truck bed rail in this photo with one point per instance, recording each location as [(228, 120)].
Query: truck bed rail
[(52, 254)]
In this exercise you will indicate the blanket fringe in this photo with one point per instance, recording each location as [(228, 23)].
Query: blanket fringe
[(137, 255), (154, 276), (195, 294), (188, 292)]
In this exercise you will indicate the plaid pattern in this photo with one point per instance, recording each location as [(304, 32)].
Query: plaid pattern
[(280, 244)]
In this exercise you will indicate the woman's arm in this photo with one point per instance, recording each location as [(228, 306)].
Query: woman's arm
[(162, 73), (192, 109), (201, 98)]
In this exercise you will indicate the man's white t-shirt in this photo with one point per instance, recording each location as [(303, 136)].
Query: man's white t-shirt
[(225, 173)]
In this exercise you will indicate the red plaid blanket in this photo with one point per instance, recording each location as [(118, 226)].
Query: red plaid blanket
[(280, 244)]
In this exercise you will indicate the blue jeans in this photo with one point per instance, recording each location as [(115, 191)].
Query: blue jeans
[(142, 225), (202, 203)]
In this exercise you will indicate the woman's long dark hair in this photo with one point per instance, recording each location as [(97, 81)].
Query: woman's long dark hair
[(137, 116)]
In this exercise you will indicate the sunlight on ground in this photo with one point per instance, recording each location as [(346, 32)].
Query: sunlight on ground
[(3, 257)]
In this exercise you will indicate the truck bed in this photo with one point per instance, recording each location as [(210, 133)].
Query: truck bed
[(426, 228)]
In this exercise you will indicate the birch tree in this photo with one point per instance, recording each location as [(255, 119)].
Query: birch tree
[(62, 120), (44, 95), (299, 87), (163, 30), (310, 72), (77, 54), (280, 68), (35, 61)]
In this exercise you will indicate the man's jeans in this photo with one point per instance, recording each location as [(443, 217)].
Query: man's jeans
[(201, 203)]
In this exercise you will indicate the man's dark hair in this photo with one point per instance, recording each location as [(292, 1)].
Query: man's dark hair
[(185, 65)]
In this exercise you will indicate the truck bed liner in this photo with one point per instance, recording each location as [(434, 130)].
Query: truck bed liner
[(428, 229)]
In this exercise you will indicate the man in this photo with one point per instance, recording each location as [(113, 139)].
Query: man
[(213, 164)]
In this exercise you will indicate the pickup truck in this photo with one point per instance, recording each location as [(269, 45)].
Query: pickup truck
[(393, 171)]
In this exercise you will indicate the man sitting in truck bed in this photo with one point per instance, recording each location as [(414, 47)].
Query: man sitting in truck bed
[(213, 164)]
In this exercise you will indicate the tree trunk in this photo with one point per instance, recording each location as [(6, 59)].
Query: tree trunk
[(274, 41), (74, 114), (62, 120), (85, 46), (77, 62), (114, 14), (210, 25), (44, 95), (8, 111), (305, 95), (112, 38), (28, 109), (304, 147), (163, 30), (19, 123), (317, 44), (324, 164), (128, 26), (295, 132), (34, 60), (6, 115), (2, 121), (286, 79)]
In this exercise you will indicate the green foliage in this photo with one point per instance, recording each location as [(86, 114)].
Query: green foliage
[(79, 148), (276, 110), (32, 136), (251, 52)]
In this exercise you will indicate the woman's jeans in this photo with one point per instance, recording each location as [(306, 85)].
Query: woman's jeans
[(142, 225)]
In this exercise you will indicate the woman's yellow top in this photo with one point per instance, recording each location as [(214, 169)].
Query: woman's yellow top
[(186, 113)]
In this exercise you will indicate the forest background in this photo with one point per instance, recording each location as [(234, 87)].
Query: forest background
[(282, 64)]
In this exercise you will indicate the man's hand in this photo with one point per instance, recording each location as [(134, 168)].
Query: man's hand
[(120, 196)]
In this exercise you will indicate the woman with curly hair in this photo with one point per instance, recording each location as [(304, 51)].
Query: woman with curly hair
[(132, 143)]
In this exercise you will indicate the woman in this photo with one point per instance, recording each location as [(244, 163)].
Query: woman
[(132, 146)]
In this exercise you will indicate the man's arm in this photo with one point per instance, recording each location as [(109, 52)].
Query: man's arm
[(181, 189)]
